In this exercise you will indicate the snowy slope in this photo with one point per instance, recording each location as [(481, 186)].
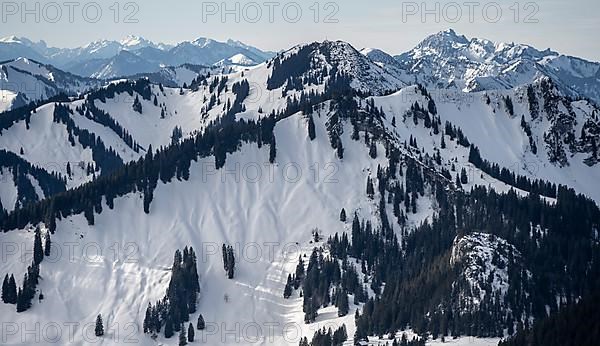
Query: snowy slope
[(31, 81), (267, 211), (500, 136)]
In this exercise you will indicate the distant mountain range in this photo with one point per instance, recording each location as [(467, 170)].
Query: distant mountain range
[(449, 60), (132, 55)]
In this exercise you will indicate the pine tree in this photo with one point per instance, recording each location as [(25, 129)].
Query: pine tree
[(38, 251), (463, 176), (5, 289), (21, 301), (48, 244), (168, 328), (230, 263), (340, 149), (343, 215), (200, 325), (287, 291), (342, 303), (373, 150), (370, 188), (224, 251), (182, 336), (272, 150), (99, 330), (11, 291), (191, 332), (147, 325), (311, 128)]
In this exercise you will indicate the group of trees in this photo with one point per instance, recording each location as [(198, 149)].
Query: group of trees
[(50, 183), (325, 282), (537, 186), (327, 337), (421, 290), (106, 159), (228, 261), (22, 296), (90, 111), (574, 325), (180, 300)]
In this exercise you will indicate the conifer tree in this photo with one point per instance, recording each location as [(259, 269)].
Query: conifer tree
[(5, 289), (182, 336), (21, 301), (47, 244), (99, 330), (200, 325), (38, 251), (272, 150), (370, 188), (342, 303), (147, 325), (287, 291), (11, 291), (168, 328), (340, 149), (373, 150), (343, 215), (191, 332), (311, 128)]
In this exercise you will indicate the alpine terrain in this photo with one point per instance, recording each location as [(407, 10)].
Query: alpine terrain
[(212, 193)]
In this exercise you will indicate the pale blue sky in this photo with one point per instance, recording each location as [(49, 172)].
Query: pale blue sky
[(570, 27)]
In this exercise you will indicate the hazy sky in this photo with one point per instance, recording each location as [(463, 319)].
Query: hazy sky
[(570, 27)]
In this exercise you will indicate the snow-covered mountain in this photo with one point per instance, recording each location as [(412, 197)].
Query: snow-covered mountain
[(273, 160), (447, 59), (131, 55), (23, 81)]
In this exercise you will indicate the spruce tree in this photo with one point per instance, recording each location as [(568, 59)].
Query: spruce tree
[(287, 291), (182, 336), (147, 325), (168, 328), (5, 289), (200, 324), (340, 149), (48, 244), (343, 215), (21, 301), (342, 302), (272, 150), (99, 330), (190, 332), (230, 263), (11, 294), (38, 251), (311, 128), (373, 150), (370, 188)]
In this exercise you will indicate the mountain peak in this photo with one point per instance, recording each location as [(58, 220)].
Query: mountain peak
[(133, 40), (10, 39)]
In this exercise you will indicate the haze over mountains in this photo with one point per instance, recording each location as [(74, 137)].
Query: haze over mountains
[(447, 192)]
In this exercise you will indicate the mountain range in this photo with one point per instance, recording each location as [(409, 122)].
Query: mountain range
[(446, 193), (109, 59)]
